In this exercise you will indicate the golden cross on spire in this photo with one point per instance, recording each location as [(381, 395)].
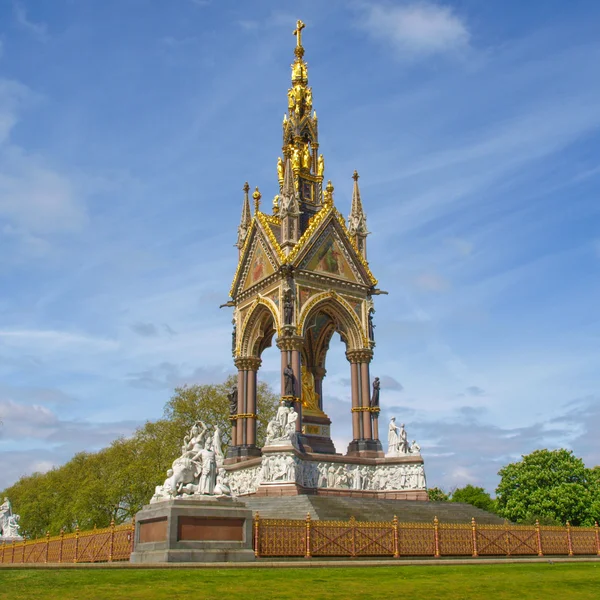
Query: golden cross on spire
[(298, 32)]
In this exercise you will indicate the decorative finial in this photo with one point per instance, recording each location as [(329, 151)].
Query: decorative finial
[(299, 50), (328, 195), (257, 196), (246, 187), (355, 175), (276, 204)]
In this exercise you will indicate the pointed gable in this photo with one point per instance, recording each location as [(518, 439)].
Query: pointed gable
[(326, 248), (259, 267), (259, 259), (329, 258)]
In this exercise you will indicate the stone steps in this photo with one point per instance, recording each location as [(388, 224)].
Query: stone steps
[(328, 508)]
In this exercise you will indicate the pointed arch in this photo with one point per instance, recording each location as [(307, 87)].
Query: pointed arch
[(341, 313), (259, 327)]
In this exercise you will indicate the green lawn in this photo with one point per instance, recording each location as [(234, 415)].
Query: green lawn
[(428, 582)]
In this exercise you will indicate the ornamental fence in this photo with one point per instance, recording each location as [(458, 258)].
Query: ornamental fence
[(97, 545), (308, 538)]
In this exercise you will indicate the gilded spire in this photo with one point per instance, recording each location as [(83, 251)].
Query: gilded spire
[(246, 218), (299, 95)]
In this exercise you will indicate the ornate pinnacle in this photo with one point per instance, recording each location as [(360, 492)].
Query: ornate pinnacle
[(328, 195), (246, 217), (357, 221), (257, 196)]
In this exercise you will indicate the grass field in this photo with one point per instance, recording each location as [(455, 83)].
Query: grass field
[(428, 582)]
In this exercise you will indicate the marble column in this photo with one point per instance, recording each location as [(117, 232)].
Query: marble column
[(375, 426), (241, 407), (365, 382), (356, 420), (296, 366), (319, 373), (254, 365)]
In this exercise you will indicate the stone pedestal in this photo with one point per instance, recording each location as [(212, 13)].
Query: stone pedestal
[(193, 530)]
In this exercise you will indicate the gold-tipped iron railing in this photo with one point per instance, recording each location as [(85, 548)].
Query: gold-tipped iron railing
[(97, 545), (308, 538)]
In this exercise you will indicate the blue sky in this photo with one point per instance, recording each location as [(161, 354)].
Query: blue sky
[(128, 127)]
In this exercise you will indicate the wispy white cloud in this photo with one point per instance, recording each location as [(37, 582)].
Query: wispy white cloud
[(417, 29), (48, 340)]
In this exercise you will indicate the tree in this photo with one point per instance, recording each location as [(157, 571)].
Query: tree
[(476, 496), (436, 494), (209, 403), (549, 485)]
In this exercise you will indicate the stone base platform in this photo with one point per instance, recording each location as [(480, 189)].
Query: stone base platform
[(193, 530), (341, 508)]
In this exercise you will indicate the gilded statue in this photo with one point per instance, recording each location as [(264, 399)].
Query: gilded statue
[(321, 165), (310, 398), (295, 159), (298, 92), (308, 98), (306, 158), (280, 169)]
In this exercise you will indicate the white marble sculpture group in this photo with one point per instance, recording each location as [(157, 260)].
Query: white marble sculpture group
[(199, 470), (9, 522), (398, 441), (281, 430)]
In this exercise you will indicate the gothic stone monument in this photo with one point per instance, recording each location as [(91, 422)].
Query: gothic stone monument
[(303, 275)]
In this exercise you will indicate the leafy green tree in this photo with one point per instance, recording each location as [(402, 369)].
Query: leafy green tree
[(437, 494), (209, 403), (476, 496), (549, 485)]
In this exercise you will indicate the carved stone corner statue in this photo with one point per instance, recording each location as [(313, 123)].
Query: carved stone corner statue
[(199, 470), (9, 522), (398, 441)]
